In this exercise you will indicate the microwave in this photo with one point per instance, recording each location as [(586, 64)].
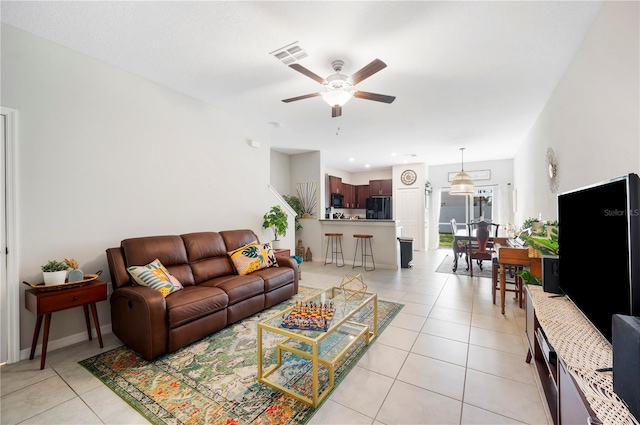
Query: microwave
[(336, 200)]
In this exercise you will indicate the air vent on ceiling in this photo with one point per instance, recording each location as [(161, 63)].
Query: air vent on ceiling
[(290, 53)]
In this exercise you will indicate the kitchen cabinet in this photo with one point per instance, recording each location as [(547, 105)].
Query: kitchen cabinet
[(362, 193), (335, 184), (380, 187), (349, 192)]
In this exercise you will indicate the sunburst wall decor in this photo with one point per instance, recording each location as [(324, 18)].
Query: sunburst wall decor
[(551, 165), (308, 195)]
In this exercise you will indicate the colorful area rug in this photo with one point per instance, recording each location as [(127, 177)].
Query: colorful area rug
[(214, 380), (446, 266)]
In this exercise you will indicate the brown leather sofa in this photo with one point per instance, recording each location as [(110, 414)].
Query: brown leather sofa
[(213, 297)]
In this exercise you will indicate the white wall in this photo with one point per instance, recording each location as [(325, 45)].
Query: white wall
[(502, 175), (501, 172), (104, 155), (307, 167), (281, 172), (591, 120)]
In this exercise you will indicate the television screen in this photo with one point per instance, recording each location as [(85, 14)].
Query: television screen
[(598, 238)]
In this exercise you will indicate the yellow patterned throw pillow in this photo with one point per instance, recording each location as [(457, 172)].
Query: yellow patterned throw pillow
[(155, 276), (252, 257)]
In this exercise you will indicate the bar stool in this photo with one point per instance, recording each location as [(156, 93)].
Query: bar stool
[(334, 240), (513, 272), (362, 241)]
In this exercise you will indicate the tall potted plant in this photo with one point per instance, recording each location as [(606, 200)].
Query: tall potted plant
[(277, 220), (294, 202)]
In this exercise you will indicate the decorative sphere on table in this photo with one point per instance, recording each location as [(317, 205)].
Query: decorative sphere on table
[(353, 286)]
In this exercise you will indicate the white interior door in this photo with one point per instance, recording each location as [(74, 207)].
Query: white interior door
[(410, 214), (9, 288), (4, 316)]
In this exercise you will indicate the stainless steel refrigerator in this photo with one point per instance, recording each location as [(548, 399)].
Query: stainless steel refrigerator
[(379, 208)]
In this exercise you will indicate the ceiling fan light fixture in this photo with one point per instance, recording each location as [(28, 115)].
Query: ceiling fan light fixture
[(338, 88), (462, 183), (337, 97)]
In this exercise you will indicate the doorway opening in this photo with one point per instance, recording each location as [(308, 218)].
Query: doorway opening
[(464, 209)]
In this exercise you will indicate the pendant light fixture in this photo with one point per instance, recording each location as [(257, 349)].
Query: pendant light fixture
[(462, 184)]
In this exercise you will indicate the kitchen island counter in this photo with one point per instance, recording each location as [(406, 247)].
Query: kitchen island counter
[(384, 243), (359, 220)]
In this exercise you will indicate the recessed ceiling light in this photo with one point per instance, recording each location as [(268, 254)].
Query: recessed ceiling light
[(351, 159), (393, 154), (367, 165)]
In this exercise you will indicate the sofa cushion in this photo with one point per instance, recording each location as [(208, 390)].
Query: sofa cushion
[(207, 255), (238, 288), (252, 257), (275, 277), (234, 239), (155, 276), (170, 250), (194, 302)]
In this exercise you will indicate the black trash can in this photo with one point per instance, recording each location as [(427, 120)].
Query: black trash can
[(406, 252)]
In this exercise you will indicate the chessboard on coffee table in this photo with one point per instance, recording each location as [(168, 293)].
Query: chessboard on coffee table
[(323, 349)]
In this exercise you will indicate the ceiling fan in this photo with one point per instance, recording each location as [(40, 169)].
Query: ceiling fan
[(339, 88)]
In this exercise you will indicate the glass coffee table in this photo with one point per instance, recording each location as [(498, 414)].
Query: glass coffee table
[(286, 354)]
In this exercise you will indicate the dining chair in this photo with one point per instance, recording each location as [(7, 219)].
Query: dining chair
[(477, 247), (493, 227), (460, 245)]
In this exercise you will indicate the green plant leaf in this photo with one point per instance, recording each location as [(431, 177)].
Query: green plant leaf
[(54, 266), (277, 220), (530, 279), (294, 202)]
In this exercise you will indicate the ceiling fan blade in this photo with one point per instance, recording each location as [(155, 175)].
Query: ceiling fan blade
[(366, 72), (336, 111), (306, 96), (374, 96), (301, 69)]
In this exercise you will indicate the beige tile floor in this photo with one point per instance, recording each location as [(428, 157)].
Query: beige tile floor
[(449, 357)]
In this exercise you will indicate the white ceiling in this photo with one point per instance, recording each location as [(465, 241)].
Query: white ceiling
[(465, 74)]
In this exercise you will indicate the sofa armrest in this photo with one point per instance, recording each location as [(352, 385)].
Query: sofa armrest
[(290, 262), (117, 267), (139, 319), (287, 262)]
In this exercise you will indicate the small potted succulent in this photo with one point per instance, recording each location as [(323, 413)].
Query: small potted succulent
[(54, 272)]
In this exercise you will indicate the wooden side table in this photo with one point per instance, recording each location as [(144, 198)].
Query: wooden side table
[(43, 303), (282, 252)]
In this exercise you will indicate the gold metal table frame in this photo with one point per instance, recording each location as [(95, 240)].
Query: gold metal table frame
[(308, 344)]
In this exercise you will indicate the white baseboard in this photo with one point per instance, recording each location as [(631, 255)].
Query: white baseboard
[(66, 341)]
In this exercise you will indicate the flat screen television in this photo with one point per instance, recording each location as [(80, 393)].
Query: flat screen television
[(599, 249)]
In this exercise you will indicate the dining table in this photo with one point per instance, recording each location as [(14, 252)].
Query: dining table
[(462, 238)]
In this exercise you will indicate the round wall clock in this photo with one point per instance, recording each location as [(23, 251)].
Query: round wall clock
[(408, 177), (552, 170)]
